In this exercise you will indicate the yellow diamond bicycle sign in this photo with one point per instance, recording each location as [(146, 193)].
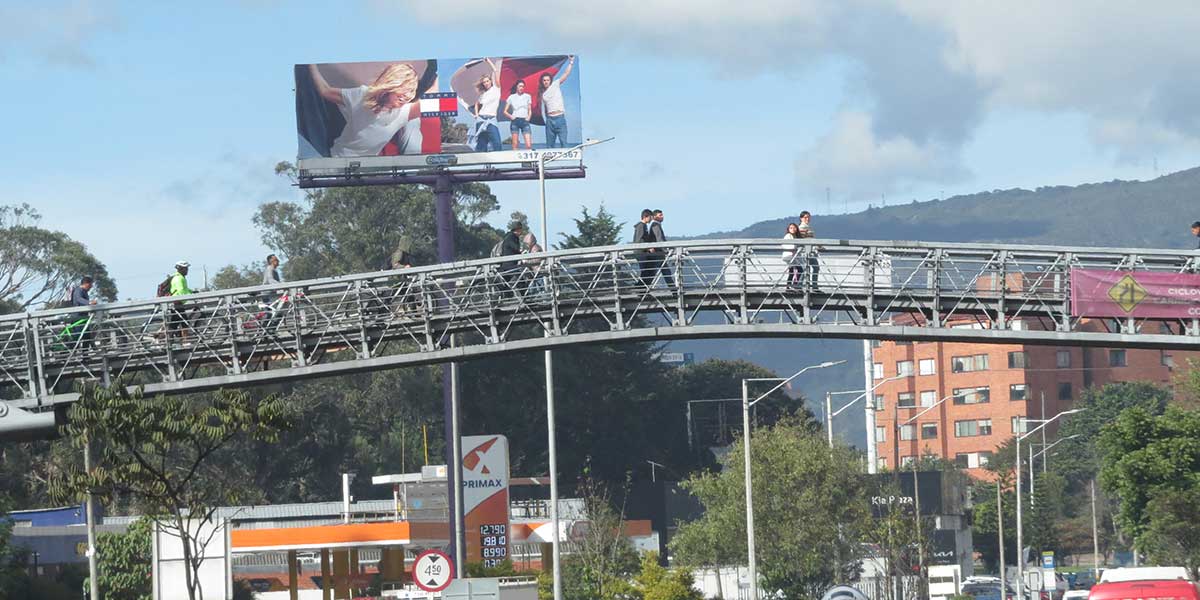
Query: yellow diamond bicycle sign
[(1127, 293)]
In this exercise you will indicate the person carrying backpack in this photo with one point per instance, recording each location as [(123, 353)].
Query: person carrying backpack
[(176, 284)]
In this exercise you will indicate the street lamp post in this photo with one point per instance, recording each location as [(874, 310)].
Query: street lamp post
[(1017, 471), (746, 404), (830, 414), (543, 158), (1045, 461)]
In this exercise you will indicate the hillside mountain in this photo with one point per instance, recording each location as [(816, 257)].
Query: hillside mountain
[(1154, 214)]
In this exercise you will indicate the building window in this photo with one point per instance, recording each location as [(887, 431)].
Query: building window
[(1116, 358), (906, 461), (926, 366), (1018, 360), (1062, 359), (881, 462), (1020, 425), (904, 368), (1167, 360), (903, 342), (928, 398), (877, 370), (929, 431), (905, 400), (876, 343), (1064, 390), (1018, 391), (879, 402), (881, 434), (908, 432), (967, 364), (973, 428), (972, 460), (973, 395)]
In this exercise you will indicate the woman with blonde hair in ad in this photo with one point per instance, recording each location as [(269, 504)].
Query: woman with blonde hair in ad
[(375, 112)]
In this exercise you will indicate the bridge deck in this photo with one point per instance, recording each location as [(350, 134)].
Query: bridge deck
[(460, 311)]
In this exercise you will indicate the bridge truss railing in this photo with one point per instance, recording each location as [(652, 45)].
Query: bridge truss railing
[(202, 340)]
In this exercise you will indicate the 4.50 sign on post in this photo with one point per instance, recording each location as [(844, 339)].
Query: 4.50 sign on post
[(433, 571)]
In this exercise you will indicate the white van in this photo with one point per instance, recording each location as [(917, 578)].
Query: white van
[(944, 581)]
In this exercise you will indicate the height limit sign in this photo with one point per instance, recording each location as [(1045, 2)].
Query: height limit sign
[(433, 571)]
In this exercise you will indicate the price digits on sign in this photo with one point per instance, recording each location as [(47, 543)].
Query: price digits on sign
[(494, 540)]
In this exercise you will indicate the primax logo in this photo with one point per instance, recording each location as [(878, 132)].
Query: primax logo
[(482, 483)]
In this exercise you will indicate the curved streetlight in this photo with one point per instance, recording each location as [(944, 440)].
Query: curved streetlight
[(544, 157), (1020, 546), (746, 404), (830, 413)]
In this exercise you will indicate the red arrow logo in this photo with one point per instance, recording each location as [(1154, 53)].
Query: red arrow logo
[(474, 457)]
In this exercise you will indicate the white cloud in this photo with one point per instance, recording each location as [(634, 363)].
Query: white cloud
[(856, 163), (926, 70), (56, 33)]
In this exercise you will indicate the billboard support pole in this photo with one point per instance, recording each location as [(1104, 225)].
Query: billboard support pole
[(444, 210)]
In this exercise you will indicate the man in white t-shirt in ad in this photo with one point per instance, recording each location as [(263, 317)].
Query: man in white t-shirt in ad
[(553, 111), (518, 109), (487, 133)]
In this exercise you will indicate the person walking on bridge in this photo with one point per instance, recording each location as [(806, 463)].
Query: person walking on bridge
[(177, 285), (1196, 232), (806, 231), (656, 229), (271, 271), (643, 235)]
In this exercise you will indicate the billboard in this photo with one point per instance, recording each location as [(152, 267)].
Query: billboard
[(485, 498), (399, 113), (1138, 294)]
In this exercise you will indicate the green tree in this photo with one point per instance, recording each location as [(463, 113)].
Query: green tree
[(1172, 533), (600, 229), (124, 562), (984, 524), (1047, 509), (37, 264), (231, 276), (337, 231), (1145, 456), (656, 582), (603, 561), (1077, 459), (810, 505), (166, 453)]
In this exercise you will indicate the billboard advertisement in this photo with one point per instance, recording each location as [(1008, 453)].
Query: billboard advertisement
[(485, 498), (1138, 294), (410, 109)]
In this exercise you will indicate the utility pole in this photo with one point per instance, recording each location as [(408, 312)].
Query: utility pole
[(93, 571), (1095, 536), (1000, 537)]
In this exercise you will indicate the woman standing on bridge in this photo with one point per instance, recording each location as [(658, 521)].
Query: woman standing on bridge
[(794, 271)]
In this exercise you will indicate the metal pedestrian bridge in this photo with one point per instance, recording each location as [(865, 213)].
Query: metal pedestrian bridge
[(474, 309)]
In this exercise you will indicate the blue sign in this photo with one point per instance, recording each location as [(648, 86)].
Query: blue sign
[(1047, 560)]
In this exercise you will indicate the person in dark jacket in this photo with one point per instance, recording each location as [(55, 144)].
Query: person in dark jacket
[(79, 294), (511, 246), (1196, 232), (642, 234), (656, 230)]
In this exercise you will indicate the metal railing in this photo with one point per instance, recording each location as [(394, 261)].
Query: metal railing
[(465, 310)]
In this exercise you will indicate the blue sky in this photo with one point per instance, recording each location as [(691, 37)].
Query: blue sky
[(149, 131)]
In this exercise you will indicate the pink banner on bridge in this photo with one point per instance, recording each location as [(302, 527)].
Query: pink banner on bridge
[(1139, 294)]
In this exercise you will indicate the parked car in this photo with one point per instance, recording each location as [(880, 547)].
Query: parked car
[(1145, 574), (987, 591), (1075, 595)]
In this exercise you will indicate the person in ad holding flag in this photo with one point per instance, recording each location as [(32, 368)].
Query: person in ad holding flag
[(375, 113), (554, 113), (487, 132), (518, 111)]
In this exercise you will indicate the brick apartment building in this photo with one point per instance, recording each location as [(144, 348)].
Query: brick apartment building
[(994, 387)]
